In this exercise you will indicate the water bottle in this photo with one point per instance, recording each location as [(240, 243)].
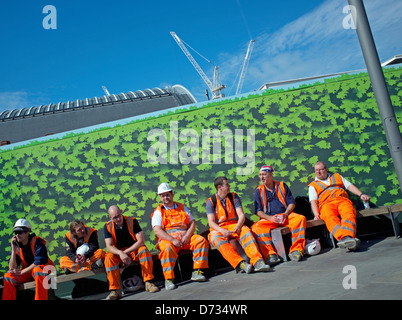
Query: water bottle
[(366, 204)]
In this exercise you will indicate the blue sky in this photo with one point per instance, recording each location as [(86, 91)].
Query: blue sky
[(126, 45)]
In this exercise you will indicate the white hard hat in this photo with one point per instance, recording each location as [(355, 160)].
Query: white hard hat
[(312, 247), (22, 225), (164, 187), (133, 284), (83, 249)]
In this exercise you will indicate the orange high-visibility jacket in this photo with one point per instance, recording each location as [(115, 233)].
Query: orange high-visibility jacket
[(335, 189), (74, 240), (174, 218), (280, 191), (130, 223), (225, 216), (20, 253)]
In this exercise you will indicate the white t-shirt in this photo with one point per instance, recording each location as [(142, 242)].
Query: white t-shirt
[(157, 217), (312, 193)]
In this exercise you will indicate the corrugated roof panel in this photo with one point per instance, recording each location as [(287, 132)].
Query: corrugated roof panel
[(132, 95), (96, 101), (4, 114)]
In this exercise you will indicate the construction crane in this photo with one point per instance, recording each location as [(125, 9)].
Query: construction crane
[(245, 66), (215, 87)]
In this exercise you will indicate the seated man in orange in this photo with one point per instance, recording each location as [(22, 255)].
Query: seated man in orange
[(226, 218), (330, 202), (174, 228), (125, 243), (82, 249), (29, 252), (274, 204)]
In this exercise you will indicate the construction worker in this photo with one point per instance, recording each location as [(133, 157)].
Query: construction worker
[(82, 249), (174, 228), (274, 204), (330, 202), (226, 218), (29, 252), (125, 243)]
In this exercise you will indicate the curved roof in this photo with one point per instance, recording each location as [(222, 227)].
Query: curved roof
[(181, 93)]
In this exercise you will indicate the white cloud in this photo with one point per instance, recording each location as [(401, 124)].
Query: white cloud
[(317, 43), (10, 100), (13, 100)]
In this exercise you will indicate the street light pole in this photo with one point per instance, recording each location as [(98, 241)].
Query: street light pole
[(377, 79)]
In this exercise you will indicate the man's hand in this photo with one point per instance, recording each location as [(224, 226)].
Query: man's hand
[(125, 258)]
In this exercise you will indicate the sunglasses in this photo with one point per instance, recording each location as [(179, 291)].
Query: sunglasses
[(19, 232)]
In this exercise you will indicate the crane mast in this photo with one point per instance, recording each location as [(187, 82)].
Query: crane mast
[(245, 66), (215, 87)]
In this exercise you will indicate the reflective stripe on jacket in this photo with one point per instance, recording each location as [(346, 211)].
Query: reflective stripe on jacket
[(130, 224), (20, 253), (74, 239), (335, 189), (223, 215), (280, 192)]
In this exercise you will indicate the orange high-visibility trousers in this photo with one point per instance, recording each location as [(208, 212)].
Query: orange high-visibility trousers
[(169, 253), (339, 216), (262, 231), (246, 240), (112, 262), (67, 264), (11, 280)]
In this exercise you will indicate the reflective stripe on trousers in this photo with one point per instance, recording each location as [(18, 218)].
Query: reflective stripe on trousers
[(169, 253), (246, 240), (11, 281), (112, 261), (262, 230), (339, 216)]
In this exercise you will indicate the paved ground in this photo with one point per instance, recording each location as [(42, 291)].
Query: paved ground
[(373, 272)]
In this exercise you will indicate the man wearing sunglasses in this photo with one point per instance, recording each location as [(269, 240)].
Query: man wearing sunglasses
[(28, 252), (274, 204)]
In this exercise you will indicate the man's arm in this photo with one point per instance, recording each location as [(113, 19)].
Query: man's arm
[(241, 218), (112, 249), (352, 188), (216, 227), (314, 209), (163, 235), (136, 245)]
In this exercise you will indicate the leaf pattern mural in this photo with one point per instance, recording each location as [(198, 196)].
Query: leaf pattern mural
[(81, 175)]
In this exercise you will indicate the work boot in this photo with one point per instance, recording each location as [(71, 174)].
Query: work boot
[(198, 276), (243, 267), (151, 287), (114, 295), (348, 243), (260, 266), (273, 259), (296, 255), (169, 284)]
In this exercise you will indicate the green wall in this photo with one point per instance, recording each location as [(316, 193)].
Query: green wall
[(80, 175)]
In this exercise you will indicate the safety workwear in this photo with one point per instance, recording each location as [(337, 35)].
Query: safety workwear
[(91, 263), (112, 261), (335, 207), (22, 225), (294, 221), (227, 219), (335, 189), (175, 222), (164, 187), (39, 274)]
